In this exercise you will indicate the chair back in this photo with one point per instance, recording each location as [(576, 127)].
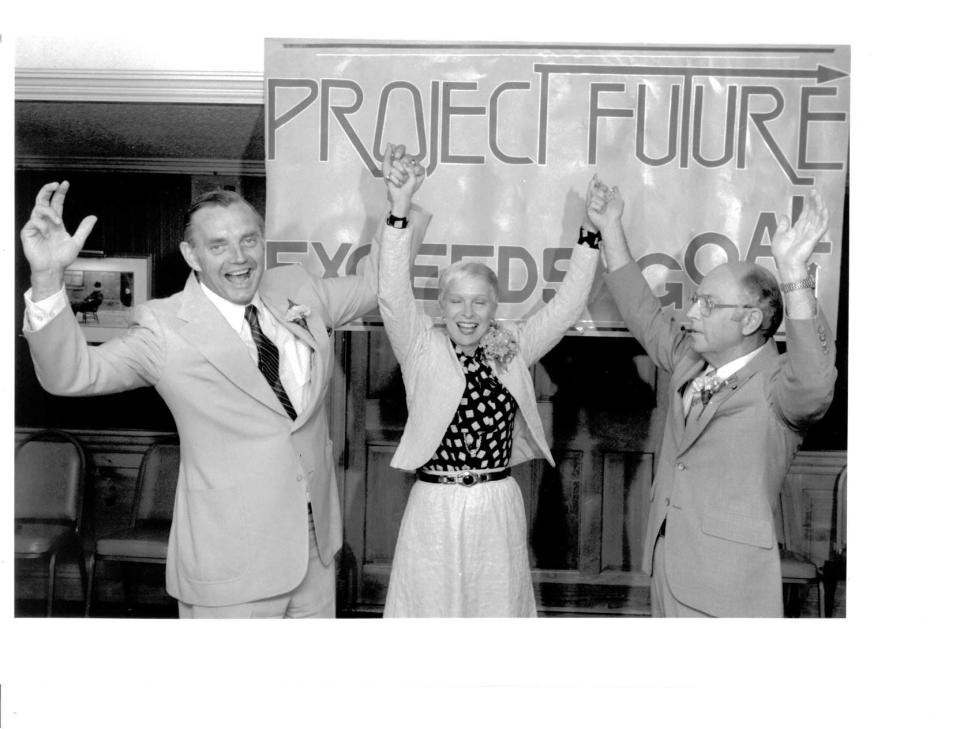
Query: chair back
[(50, 470), (156, 484), (788, 527)]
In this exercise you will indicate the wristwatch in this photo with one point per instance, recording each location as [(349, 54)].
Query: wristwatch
[(804, 283), (589, 238), (394, 222)]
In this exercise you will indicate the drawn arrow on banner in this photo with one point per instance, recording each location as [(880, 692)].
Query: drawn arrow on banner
[(822, 74)]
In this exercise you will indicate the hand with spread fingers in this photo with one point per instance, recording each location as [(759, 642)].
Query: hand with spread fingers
[(792, 246), (48, 246)]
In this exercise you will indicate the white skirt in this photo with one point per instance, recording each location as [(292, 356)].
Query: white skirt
[(462, 552)]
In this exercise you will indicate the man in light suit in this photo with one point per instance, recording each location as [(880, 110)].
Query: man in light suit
[(738, 412), (243, 358)]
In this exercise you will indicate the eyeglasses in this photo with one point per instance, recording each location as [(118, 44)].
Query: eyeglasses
[(707, 305)]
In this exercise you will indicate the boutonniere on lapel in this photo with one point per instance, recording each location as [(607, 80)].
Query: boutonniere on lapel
[(706, 386), (499, 345), (297, 314)]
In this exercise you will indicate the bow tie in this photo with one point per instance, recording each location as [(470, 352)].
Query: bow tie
[(706, 386)]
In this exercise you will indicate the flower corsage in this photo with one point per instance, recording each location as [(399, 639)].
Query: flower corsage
[(706, 387), (499, 345), (297, 314)]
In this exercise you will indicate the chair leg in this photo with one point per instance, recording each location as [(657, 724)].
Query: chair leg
[(822, 595), (88, 598), (129, 589), (82, 565), (51, 582)]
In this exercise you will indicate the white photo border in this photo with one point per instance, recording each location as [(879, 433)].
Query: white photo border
[(139, 266)]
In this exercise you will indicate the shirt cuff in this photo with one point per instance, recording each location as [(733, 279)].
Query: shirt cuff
[(40, 313)]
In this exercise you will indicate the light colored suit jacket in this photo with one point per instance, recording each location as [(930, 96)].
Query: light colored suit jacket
[(718, 478), (432, 375), (239, 527)]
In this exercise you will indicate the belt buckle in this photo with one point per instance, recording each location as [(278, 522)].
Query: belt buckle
[(467, 478)]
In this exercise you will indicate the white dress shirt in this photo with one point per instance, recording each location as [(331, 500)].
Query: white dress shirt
[(294, 354)]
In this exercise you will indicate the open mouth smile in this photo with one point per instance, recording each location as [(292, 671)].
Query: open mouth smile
[(240, 277)]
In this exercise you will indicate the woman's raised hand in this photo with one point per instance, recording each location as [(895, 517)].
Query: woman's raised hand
[(604, 205), (402, 175)]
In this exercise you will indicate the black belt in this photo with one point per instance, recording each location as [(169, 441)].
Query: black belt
[(462, 478)]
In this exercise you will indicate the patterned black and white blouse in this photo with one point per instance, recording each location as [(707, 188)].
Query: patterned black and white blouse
[(481, 433)]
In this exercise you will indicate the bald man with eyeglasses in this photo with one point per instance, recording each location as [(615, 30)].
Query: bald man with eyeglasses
[(738, 413)]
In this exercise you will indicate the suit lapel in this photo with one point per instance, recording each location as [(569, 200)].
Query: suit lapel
[(278, 306), (318, 362), (694, 427), (681, 378), (212, 337)]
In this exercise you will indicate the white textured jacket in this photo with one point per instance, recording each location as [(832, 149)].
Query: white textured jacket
[(432, 376)]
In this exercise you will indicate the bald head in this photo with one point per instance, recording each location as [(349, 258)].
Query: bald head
[(762, 290)]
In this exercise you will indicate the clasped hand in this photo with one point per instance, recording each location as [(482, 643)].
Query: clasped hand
[(604, 205), (402, 175)]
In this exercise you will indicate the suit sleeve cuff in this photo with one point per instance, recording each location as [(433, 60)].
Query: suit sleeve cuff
[(40, 313), (814, 314)]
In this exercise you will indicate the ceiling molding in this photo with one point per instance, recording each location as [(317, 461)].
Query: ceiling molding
[(185, 87), (250, 168)]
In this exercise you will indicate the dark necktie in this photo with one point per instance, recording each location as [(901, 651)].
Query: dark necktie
[(268, 359), (702, 388)]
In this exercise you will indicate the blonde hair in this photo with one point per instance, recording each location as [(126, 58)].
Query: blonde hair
[(468, 269)]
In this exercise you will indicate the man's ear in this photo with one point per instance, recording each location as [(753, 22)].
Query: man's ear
[(751, 322), (189, 255)]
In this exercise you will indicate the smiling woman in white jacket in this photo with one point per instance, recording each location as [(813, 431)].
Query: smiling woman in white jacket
[(462, 547)]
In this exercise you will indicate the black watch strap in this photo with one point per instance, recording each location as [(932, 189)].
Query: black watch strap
[(589, 238), (395, 222)]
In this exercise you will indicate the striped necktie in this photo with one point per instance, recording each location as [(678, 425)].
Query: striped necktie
[(268, 359)]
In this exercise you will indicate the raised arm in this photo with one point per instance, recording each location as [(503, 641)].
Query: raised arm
[(659, 334), (541, 332), (405, 324), (803, 388), (64, 364), (792, 248), (351, 296)]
